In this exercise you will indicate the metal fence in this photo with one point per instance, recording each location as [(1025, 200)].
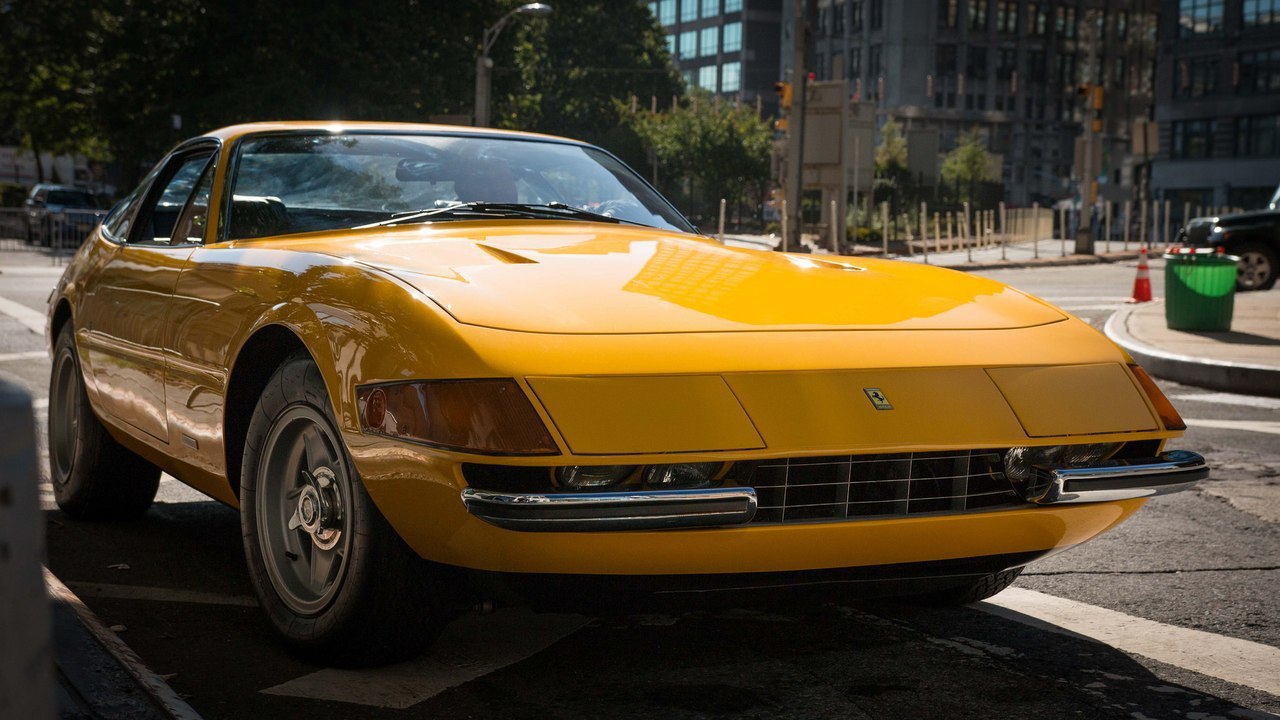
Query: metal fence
[(55, 234)]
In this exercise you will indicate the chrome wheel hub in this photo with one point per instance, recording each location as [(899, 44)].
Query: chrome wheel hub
[(319, 508)]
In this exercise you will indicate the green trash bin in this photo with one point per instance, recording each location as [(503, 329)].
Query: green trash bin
[(1199, 289)]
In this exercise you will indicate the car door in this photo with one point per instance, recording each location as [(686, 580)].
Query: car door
[(127, 313)]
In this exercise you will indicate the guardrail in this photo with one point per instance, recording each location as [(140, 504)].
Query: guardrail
[(56, 234)]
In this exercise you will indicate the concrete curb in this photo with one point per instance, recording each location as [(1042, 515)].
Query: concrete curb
[(1234, 377), (163, 697)]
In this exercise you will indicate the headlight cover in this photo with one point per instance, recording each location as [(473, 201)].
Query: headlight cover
[(488, 417)]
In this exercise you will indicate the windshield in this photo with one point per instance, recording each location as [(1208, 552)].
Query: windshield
[(302, 183)]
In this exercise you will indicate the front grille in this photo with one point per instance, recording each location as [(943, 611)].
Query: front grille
[(838, 487)]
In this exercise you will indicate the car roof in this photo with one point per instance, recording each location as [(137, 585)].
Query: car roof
[(234, 132)]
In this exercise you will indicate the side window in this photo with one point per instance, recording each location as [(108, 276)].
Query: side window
[(158, 217), (120, 219), (194, 221)]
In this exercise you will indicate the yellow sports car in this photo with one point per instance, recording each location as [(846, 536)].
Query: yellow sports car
[(506, 352)]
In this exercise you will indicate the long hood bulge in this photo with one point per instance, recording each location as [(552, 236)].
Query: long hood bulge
[(591, 278)]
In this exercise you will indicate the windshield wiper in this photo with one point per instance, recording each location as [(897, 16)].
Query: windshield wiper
[(556, 210)]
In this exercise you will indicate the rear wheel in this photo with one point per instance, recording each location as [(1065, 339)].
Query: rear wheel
[(1257, 269), (979, 589), (94, 477), (337, 583)]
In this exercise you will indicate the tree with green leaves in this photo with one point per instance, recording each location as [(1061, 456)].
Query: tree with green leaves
[(968, 165), (576, 71), (891, 153), (708, 149)]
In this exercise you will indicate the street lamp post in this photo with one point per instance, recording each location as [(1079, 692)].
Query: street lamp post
[(484, 63)]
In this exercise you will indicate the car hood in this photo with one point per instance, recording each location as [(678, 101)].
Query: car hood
[(576, 277)]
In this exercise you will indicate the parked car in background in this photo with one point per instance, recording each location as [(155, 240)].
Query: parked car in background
[(1252, 236), (506, 354), (60, 214)]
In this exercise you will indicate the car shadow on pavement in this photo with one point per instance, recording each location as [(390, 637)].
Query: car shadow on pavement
[(810, 658)]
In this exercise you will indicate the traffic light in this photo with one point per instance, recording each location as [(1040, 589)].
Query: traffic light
[(784, 94)]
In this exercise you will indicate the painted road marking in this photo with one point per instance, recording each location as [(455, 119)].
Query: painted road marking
[(470, 647), (34, 321), (1231, 399), (29, 355), (1237, 661), (1258, 426), (159, 594)]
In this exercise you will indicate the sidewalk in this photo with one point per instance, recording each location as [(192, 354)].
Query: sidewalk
[(1244, 360)]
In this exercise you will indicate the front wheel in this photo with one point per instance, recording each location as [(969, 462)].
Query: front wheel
[(337, 583), (1257, 269)]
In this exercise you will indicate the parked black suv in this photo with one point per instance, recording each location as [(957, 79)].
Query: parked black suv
[(1254, 236)]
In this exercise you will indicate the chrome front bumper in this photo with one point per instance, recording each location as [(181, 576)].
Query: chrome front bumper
[(1170, 472), (639, 510), (1107, 481)]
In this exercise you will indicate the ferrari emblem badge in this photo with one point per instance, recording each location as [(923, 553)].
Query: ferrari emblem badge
[(877, 398)]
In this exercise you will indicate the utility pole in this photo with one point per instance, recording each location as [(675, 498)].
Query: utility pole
[(795, 122)]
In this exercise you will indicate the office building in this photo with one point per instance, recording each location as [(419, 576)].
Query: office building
[(1218, 103)]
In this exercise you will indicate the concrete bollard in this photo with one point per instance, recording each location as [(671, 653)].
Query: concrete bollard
[(784, 226), (26, 635), (720, 235), (884, 228)]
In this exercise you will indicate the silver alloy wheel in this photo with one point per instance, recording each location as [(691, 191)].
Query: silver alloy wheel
[(64, 417), (1254, 270), (304, 510)]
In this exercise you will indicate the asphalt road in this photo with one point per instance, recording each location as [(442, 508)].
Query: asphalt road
[(1195, 570)]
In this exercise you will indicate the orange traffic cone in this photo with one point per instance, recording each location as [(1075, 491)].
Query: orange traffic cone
[(1142, 283)]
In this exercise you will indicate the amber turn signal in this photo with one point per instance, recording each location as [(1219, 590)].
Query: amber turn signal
[(1168, 414), (490, 417)]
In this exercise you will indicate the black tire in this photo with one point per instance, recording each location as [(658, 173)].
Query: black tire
[(980, 589), (94, 477), (1258, 266), (338, 585)]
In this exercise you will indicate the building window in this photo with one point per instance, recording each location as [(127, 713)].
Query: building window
[(978, 15), (732, 6), (1193, 139), (976, 66), (1258, 135), (731, 77), (1120, 72), (688, 10), (877, 14), (667, 12), (689, 44), (1066, 23), (855, 15), (855, 63), (1007, 17), (1006, 63), (945, 61), (1259, 72), (947, 10), (1199, 17), (707, 78), (710, 8), (671, 45), (837, 16), (653, 9), (708, 41), (1122, 24), (1196, 77), (732, 37), (1037, 19), (1035, 64), (1261, 12), (824, 19)]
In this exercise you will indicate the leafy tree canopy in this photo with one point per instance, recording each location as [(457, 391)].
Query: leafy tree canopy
[(969, 163)]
